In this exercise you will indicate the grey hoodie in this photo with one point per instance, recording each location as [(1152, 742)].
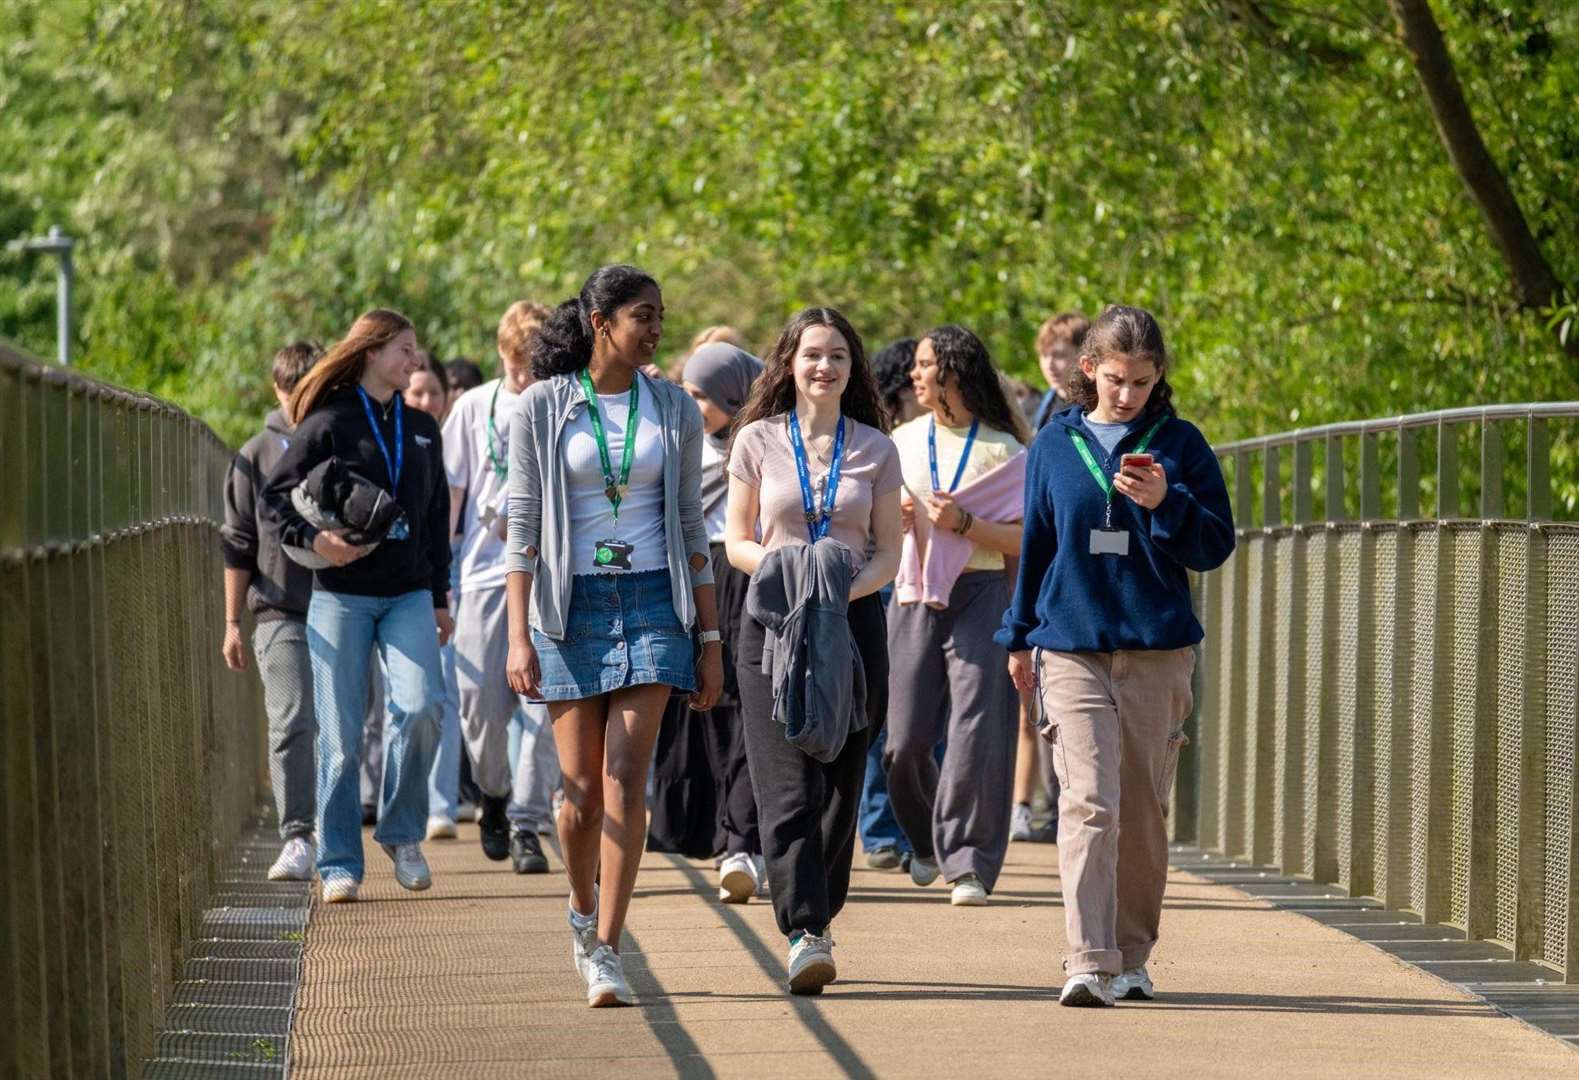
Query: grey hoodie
[(801, 596), (280, 589), (539, 538)]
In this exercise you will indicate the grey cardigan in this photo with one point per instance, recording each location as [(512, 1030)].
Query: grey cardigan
[(801, 596), (539, 536)]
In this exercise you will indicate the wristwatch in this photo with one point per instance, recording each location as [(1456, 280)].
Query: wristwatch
[(710, 636)]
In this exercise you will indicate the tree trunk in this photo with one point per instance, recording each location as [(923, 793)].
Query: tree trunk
[(1534, 282)]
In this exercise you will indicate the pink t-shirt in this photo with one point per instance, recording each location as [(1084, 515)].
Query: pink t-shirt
[(763, 457)]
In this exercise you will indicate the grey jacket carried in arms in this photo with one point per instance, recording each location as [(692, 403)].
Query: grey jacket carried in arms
[(539, 536), (801, 596)]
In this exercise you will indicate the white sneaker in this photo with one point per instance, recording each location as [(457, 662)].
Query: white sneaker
[(1134, 985), (411, 869), (441, 828), (923, 871), (340, 889), (969, 892), (583, 938), (1020, 822), (605, 975), (1087, 991), (295, 862), (811, 964), (737, 879)]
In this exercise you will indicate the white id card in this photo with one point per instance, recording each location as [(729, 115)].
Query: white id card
[(1110, 541)]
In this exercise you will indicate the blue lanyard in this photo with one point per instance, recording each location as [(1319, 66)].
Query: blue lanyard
[(817, 523), (378, 437), (932, 453)]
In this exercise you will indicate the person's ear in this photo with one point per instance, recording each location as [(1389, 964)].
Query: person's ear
[(1088, 367)]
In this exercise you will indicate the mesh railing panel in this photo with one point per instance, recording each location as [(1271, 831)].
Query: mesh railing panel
[(1558, 885), (1510, 546), (131, 758), (1465, 545), (1349, 760), (1422, 716), (1289, 749), (1313, 811), (1388, 827)]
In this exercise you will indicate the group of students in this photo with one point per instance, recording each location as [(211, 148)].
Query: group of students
[(773, 557)]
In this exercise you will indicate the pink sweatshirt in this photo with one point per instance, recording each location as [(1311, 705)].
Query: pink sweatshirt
[(932, 559)]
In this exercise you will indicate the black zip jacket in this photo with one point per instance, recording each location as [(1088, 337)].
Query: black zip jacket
[(339, 427), (280, 588)]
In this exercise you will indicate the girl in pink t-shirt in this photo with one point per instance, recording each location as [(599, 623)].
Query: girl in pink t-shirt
[(812, 459)]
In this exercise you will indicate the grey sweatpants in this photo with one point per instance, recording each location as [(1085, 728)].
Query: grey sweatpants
[(482, 646), (947, 677), (280, 646)]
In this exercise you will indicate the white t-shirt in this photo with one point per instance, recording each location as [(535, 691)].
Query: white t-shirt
[(713, 517), (476, 462), (641, 511)]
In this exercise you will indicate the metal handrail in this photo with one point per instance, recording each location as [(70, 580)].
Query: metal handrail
[(1542, 410)]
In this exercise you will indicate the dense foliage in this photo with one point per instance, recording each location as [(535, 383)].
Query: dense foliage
[(1266, 176)]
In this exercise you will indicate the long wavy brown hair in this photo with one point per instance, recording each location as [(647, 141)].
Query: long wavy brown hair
[(343, 365), (774, 391)]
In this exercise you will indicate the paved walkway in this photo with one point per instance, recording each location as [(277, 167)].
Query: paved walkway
[(474, 979)]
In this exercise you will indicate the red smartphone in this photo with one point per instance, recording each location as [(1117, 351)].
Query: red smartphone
[(1135, 461)]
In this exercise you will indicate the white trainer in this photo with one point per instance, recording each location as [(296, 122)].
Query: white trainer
[(737, 879), (441, 828), (340, 889), (411, 869), (1134, 985), (583, 932), (969, 892), (295, 862), (1020, 822), (923, 871), (811, 965), (605, 975), (1092, 990)]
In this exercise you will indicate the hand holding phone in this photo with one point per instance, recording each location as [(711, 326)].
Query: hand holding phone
[(1138, 462), (1142, 480)]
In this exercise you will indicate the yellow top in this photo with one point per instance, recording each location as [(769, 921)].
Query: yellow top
[(991, 449)]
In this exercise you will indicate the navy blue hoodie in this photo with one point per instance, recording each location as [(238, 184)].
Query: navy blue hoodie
[(1068, 600)]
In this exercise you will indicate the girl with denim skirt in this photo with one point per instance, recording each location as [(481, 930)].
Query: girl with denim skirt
[(811, 459), (392, 595), (609, 578), (1123, 499)]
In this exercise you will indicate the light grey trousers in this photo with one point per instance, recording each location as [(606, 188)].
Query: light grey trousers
[(948, 678), (280, 647)]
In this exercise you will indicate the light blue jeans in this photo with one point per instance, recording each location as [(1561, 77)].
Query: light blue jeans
[(341, 629), (444, 781)]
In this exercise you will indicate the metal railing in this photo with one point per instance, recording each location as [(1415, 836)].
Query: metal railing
[(130, 757), (1386, 700)]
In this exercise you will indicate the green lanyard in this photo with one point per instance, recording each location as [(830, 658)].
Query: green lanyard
[(615, 492), (496, 458), (1102, 479)]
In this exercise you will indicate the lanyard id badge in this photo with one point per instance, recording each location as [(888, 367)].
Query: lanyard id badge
[(401, 528), (932, 453), (1107, 540), (817, 520), (613, 554)]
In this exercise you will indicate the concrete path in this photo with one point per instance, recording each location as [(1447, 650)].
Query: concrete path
[(474, 979)]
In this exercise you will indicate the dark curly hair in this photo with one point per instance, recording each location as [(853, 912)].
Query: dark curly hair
[(774, 391), (1124, 331), (563, 345), (891, 368), (963, 358)]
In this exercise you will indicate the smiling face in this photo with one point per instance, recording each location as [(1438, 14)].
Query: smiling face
[(392, 364), (631, 335), (1124, 385), (821, 365)]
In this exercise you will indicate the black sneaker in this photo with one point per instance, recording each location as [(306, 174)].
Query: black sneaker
[(494, 827), (526, 852)]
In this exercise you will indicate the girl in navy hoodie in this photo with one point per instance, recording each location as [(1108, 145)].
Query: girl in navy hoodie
[(1101, 625)]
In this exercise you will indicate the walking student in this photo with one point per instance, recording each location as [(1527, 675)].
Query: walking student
[(812, 467), (1123, 498), (964, 469), (702, 797), (388, 592), (608, 579), (276, 590), (476, 457)]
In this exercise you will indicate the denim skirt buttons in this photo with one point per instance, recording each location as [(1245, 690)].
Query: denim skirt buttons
[(621, 630)]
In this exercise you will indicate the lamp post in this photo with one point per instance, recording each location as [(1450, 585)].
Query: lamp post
[(59, 244)]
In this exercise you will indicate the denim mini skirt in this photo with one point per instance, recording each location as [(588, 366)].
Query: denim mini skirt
[(621, 630)]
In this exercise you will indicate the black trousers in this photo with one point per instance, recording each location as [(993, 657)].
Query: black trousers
[(702, 802), (807, 810)]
